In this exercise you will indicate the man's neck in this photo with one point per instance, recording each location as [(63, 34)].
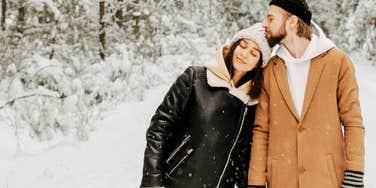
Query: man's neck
[(296, 45)]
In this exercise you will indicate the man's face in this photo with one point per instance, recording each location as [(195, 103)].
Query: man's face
[(274, 25)]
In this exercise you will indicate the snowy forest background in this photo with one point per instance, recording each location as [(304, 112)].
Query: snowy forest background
[(67, 64)]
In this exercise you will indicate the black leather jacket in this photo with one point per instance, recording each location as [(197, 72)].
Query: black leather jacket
[(199, 136)]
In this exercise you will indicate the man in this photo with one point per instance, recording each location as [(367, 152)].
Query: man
[(309, 90)]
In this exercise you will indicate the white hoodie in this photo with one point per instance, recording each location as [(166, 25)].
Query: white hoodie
[(298, 68)]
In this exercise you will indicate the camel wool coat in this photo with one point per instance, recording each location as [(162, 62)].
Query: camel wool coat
[(313, 150)]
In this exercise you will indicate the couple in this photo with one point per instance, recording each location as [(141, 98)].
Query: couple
[(247, 120)]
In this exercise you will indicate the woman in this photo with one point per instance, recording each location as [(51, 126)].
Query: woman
[(200, 135)]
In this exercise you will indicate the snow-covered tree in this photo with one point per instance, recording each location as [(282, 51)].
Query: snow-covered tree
[(361, 29)]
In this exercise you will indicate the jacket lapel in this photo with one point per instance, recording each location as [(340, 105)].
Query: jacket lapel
[(281, 76), (315, 70)]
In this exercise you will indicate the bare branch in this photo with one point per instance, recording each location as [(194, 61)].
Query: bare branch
[(26, 96)]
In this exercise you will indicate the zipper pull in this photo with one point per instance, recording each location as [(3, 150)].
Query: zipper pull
[(190, 151)]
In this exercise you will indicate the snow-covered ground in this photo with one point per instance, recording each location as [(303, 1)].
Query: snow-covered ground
[(113, 155)]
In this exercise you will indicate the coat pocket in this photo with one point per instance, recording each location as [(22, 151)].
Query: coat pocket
[(332, 170), (172, 170), (177, 156), (177, 149)]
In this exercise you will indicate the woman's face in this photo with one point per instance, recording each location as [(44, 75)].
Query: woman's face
[(246, 56)]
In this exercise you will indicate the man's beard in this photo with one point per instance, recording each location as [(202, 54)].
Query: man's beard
[(273, 40)]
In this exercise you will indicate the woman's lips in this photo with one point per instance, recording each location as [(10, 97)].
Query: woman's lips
[(240, 60)]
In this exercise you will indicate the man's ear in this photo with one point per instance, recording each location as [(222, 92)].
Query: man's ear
[(292, 22)]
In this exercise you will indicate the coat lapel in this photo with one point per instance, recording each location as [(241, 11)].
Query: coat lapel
[(315, 70), (282, 82)]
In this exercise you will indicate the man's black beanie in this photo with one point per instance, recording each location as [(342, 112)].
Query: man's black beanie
[(298, 8)]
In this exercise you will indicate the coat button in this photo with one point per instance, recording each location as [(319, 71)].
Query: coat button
[(302, 170), (301, 129)]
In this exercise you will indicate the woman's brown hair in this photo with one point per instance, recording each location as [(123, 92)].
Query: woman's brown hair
[(255, 74)]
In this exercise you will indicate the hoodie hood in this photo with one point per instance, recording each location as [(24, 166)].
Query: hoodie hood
[(318, 45), (219, 76), (217, 64)]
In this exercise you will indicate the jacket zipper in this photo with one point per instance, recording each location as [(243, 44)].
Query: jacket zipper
[(178, 164), (233, 146), (186, 139)]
